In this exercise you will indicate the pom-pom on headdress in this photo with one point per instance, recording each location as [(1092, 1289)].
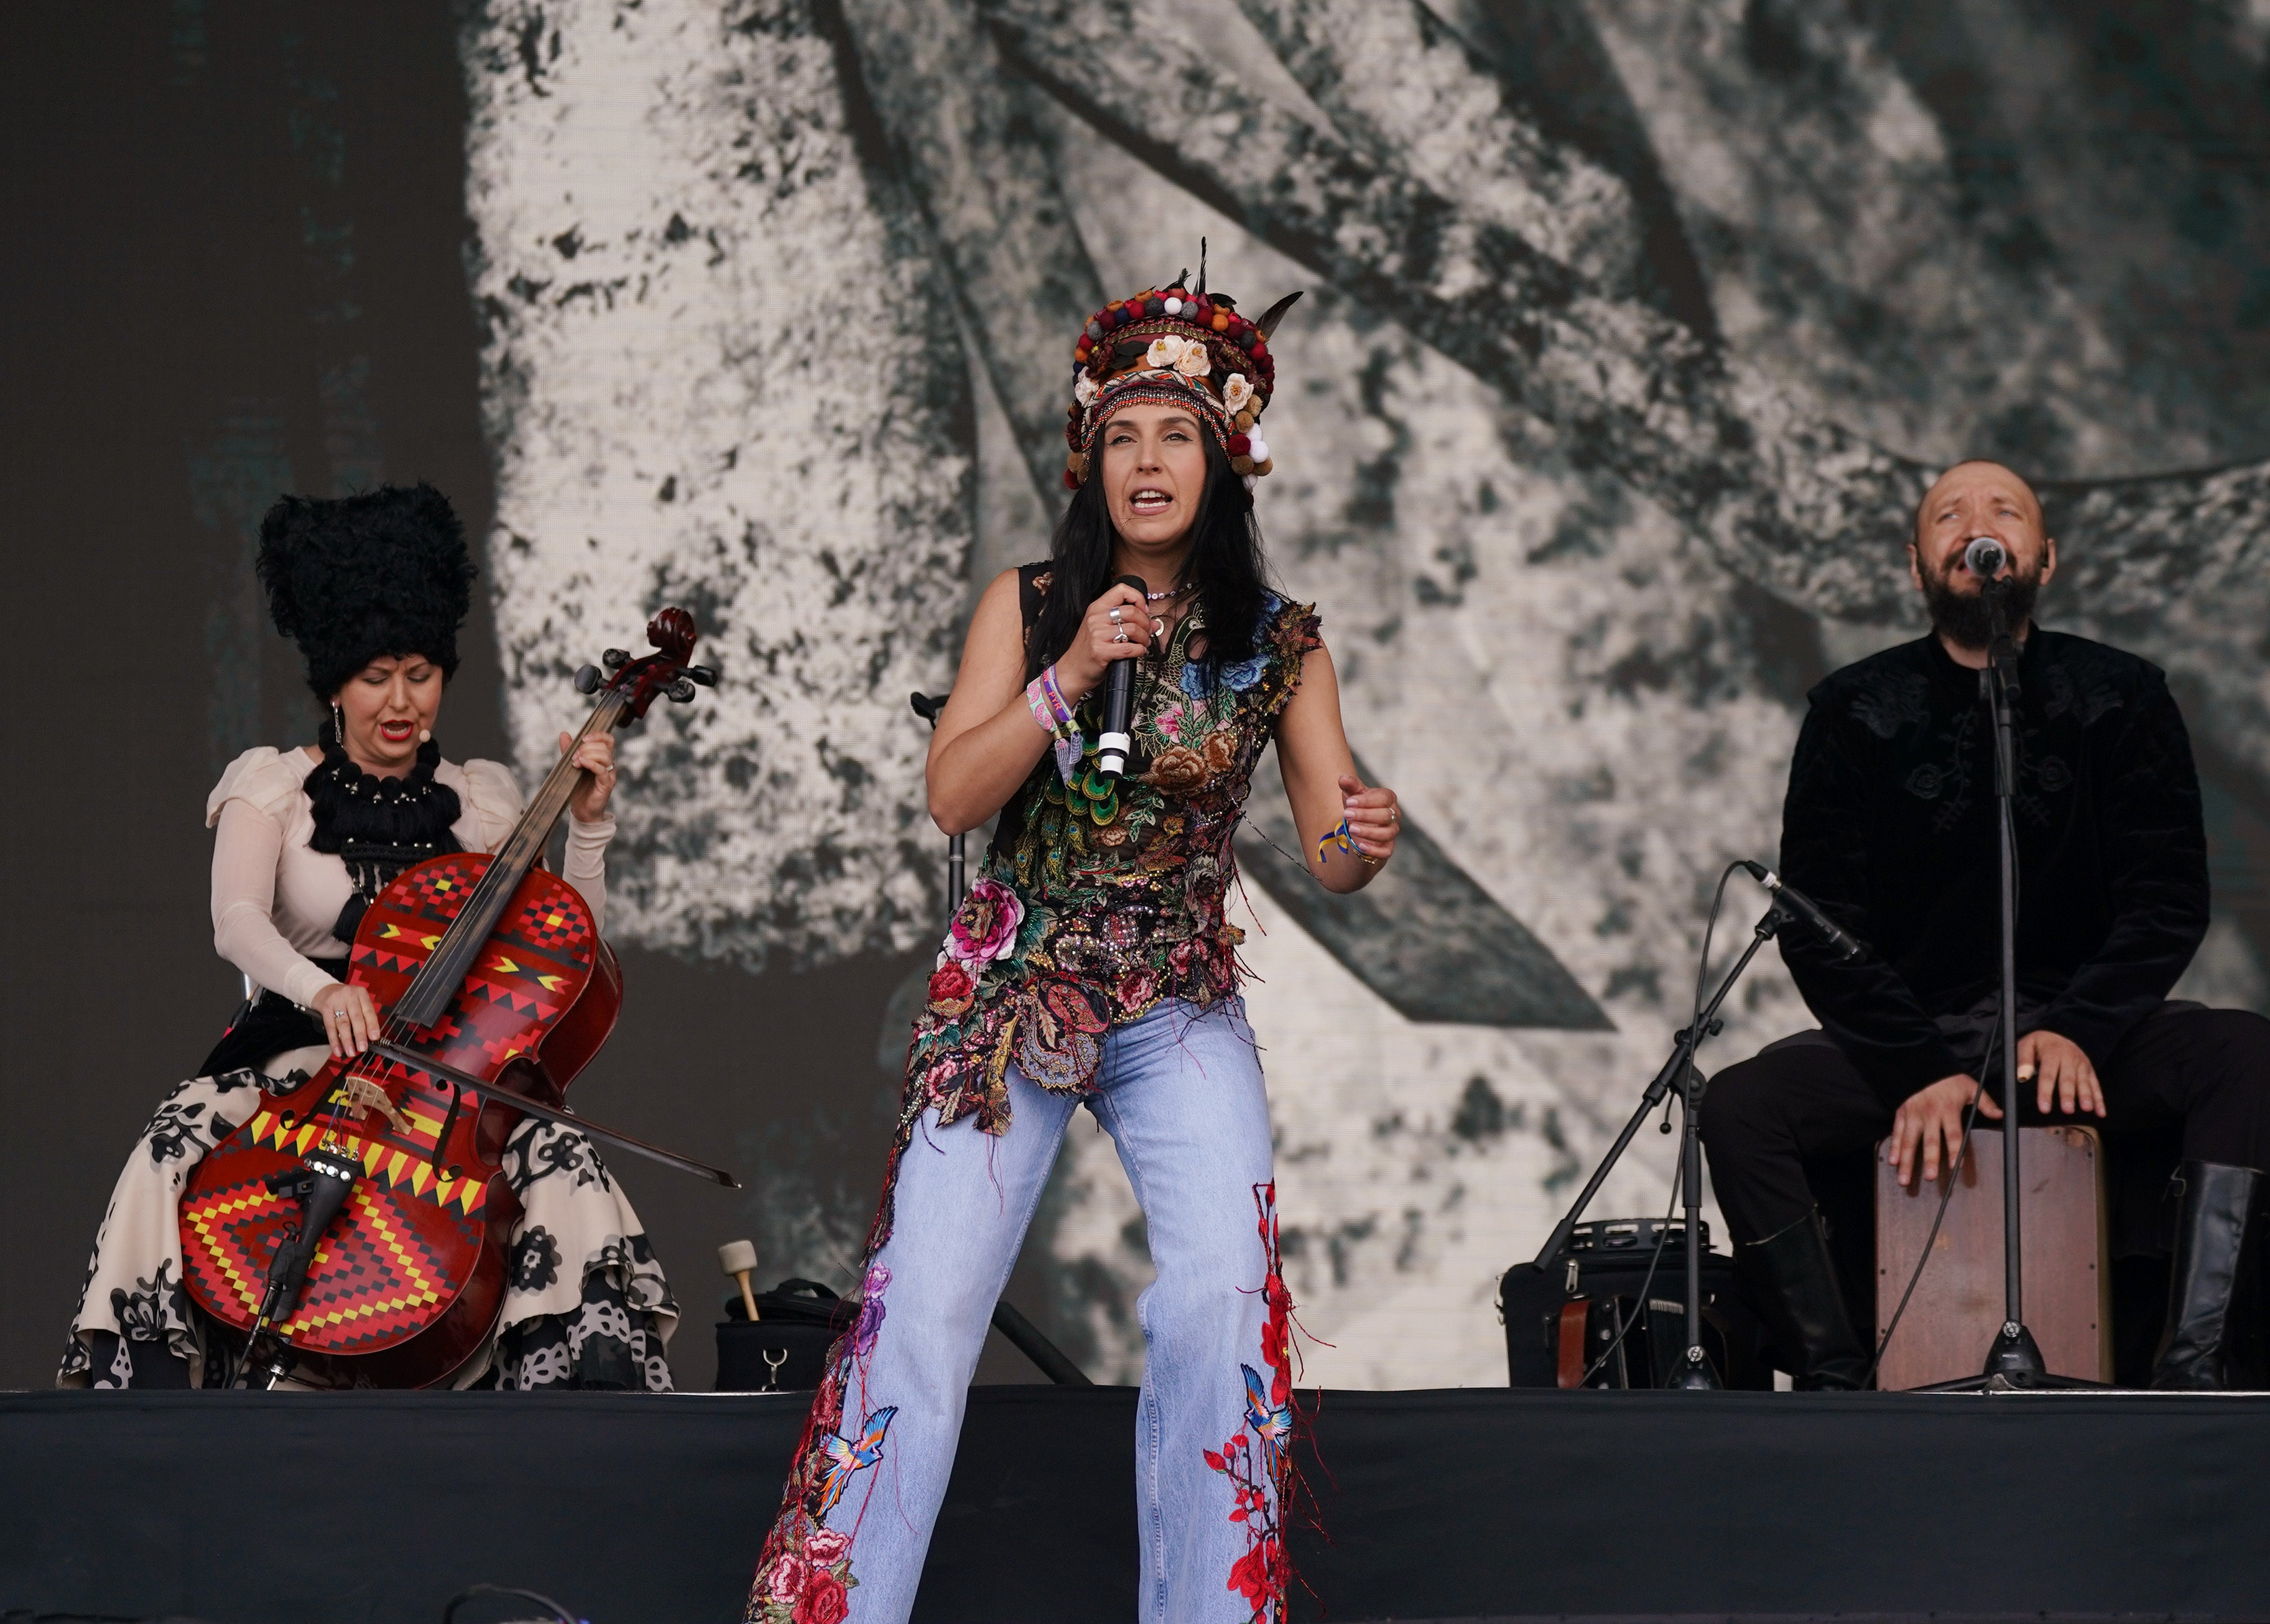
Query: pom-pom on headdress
[(358, 578), (1178, 343)]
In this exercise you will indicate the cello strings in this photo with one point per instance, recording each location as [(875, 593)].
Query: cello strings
[(369, 1067), (486, 889)]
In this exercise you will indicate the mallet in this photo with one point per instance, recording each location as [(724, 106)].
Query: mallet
[(738, 1258)]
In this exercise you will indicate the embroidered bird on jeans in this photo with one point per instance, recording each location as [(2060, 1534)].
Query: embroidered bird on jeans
[(848, 1458), (1272, 1423)]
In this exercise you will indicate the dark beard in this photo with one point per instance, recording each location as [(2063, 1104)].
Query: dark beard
[(1966, 619)]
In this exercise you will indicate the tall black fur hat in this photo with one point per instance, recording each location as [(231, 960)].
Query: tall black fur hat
[(357, 578)]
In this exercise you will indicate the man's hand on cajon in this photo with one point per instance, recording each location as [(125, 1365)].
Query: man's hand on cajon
[(1933, 1116), (2059, 1065)]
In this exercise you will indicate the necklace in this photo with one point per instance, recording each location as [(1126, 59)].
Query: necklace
[(1160, 598)]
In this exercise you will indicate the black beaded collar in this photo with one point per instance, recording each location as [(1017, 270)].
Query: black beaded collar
[(377, 825)]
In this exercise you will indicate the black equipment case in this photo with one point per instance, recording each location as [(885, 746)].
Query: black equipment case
[(1589, 1303), (786, 1349)]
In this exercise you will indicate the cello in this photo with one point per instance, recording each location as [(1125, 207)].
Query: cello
[(355, 1228)]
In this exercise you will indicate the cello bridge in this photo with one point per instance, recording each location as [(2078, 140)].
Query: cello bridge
[(358, 1092)]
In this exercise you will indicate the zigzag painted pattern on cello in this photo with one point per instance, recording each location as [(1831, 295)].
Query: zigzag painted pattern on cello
[(384, 1271)]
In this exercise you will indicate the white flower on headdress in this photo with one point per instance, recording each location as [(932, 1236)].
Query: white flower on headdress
[(1236, 394), (1195, 362), (1164, 352), (1084, 390)]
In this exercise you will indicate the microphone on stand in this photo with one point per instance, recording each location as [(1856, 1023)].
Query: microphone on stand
[(1804, 907), (1985, 558), (1119, 700)]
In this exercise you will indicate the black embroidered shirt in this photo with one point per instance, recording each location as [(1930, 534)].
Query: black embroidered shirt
[(1889, 825)]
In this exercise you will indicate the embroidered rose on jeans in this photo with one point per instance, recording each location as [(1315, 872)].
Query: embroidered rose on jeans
[(823, 1601), (789, 1575), (986, 927), (827, 1546)]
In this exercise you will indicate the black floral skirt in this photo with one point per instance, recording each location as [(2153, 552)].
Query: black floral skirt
[(586, 1305)]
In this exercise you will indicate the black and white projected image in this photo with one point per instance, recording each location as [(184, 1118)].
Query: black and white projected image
[(1633, 330)]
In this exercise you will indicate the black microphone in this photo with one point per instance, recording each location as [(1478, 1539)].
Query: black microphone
[(1119, 700), (1985, 558), (1803, 905)]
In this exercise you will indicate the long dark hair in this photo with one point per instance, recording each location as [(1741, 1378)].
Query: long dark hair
[(1227, 565)]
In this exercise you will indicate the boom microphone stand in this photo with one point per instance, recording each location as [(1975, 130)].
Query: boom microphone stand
[(1695, 1373)]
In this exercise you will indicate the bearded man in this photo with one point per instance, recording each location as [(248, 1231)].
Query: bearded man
[(1890, 826)]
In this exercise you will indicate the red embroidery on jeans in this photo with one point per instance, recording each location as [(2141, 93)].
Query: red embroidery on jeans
[(1258, 1460)]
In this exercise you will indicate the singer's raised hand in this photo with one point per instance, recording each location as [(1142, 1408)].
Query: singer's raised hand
[(1374, 818), (1102, 641)]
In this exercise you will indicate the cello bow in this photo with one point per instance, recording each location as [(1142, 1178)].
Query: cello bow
[(467, 1083)]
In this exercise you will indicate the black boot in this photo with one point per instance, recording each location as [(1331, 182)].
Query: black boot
[(2212, 1236), (1792, 1284)]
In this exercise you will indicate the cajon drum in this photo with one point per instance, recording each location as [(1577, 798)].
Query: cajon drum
[(1957, 1307)]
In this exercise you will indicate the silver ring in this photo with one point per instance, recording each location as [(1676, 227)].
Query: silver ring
[(1115, 615), (1121, 637)]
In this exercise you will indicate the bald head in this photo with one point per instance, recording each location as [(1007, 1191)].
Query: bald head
[(1970, 499), (1976, 483)]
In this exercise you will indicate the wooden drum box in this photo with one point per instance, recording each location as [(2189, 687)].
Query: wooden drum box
[(1957, 1307)]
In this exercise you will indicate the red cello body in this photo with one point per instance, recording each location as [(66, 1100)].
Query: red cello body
[(492, 971), (408, 1280)]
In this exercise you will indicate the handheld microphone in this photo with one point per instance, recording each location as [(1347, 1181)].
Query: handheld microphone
[(1119, 703), (1803, 905), (1984, 556)]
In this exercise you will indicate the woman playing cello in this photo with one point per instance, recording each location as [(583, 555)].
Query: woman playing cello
[(372, 589)]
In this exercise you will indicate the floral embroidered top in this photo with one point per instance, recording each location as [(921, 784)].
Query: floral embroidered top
[(1099, 899)]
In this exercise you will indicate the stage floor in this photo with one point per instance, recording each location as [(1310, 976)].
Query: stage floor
[(1471, 1504)]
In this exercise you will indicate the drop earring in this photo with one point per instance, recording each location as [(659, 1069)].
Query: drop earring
[(339, 726)]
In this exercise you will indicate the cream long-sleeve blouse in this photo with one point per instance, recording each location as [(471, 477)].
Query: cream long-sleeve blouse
[(275, 898)]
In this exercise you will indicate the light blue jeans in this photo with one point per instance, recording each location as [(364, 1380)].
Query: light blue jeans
[(1180, 1092)]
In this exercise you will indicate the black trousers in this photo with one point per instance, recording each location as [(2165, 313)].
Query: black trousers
[(2185, 1068)]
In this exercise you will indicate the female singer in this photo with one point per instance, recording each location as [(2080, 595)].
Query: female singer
[(372, 589), (1092, 964)]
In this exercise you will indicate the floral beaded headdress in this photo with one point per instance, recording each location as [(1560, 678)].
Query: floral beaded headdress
[(1181, 345)]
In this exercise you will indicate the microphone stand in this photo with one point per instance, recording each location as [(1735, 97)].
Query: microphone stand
[(1695, 1373), (927, 706), (2013, 1360)]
